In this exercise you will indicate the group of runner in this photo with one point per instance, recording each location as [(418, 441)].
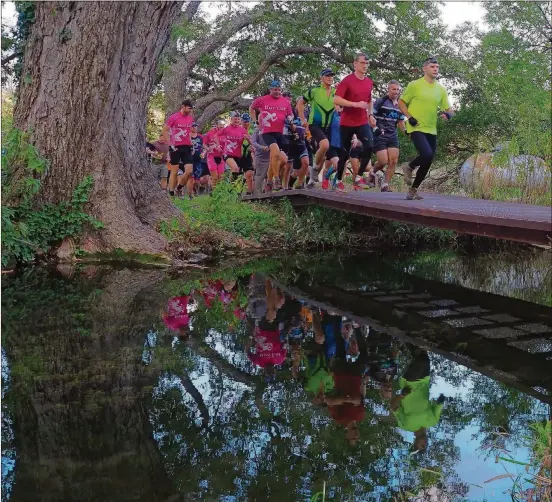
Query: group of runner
[(277, 145), (333, 358)]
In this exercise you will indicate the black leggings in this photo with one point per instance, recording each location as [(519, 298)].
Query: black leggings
[(426, 145), (365, 136)]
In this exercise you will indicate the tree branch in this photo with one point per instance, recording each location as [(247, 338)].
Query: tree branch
[(190, 11), (274, 58), (9, 58)]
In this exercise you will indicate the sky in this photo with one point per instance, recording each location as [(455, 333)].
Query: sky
[(454, 13)]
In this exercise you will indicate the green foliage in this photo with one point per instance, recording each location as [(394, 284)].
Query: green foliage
[(28, 228), (272, 225)]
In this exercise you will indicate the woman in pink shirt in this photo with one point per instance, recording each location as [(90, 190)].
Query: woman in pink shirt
[(233, 137), (213, 146)]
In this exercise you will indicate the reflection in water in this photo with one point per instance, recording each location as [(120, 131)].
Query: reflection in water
[(130, 386)]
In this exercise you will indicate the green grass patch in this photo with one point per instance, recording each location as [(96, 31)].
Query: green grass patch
[(271, 224)]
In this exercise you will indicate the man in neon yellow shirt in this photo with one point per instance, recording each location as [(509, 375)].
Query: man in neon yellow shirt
[(413, 409), (421, 101)]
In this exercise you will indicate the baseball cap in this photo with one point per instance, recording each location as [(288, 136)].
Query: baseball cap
[(195, 124), (234, 114), (246, 118), (327, 72), (275, 83)]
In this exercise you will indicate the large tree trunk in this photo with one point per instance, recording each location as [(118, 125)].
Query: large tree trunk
[(88, 71)]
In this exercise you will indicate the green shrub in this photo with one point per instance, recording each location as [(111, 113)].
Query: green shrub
[(267, 223), (27, 228)]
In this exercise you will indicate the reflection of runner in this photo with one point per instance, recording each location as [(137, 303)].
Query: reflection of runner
[(267, 349), (382, 363), (413, 409), (176, 316), (347, 406)]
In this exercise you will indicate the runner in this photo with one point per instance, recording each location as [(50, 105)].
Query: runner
[(273, 111), (232, 137), (420, 103), (212, 146), (262, 160), (246, 164), (200, 171), (158, 152), (179, 125), (388, 118), (354, 93), (298, 156), (332, 155), (322, 108)]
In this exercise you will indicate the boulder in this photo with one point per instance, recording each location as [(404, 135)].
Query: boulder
[(523, 171)]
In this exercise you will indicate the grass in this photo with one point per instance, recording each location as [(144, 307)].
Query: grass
[(534, 482), (274, 226)]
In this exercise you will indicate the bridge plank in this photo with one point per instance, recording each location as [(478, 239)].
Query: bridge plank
[(502, 220)]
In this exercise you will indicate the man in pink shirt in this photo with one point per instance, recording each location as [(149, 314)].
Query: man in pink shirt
[(179, 126), (213, 145), (273, 109), (354, 94), (233, 137)]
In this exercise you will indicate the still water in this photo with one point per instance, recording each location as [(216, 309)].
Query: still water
[(320, 377)]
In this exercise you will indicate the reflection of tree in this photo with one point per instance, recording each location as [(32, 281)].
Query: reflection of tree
[(194, 419), (529, 279), (78, 392)]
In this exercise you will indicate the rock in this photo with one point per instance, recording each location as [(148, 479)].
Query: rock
[(197, 257), (525, 171), (66, 251)]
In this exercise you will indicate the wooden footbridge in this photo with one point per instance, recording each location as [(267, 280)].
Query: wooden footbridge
[(501, 220)]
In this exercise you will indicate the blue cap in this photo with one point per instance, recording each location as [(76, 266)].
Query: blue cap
[(275, 83), (326, 72), (246, 118)]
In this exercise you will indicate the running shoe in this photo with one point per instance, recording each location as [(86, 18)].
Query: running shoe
[(386, 188), (371, 181), (277, 184), (413, 194), (268, 187), (312, 183), (325, 184), (340, 187)]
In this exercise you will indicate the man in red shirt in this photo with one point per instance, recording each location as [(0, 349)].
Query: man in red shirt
[(273, 109), (179, 126), (354, 94)]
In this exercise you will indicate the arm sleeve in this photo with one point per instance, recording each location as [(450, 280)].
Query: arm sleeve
[(342, 89), (256, 103), (408, 94), (308, 95), (445, 103)]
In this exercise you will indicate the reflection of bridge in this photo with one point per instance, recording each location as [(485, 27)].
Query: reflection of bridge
[(508, 340), (501, 220)]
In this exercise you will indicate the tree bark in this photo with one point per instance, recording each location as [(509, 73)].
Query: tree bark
[(88, 71)]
